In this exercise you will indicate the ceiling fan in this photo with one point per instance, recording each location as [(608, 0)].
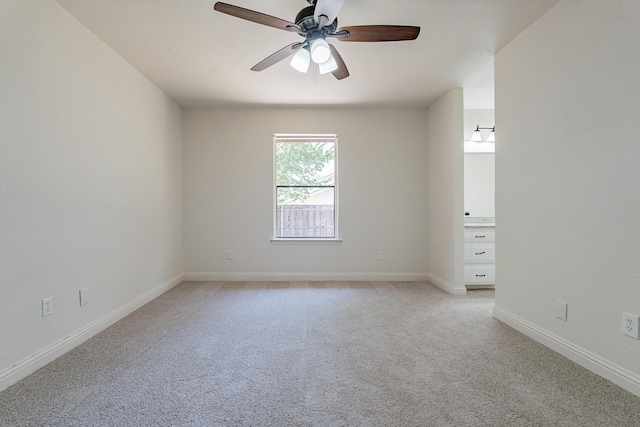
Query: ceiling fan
[(316, 23)]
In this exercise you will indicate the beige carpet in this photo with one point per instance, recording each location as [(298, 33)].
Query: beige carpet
[(314, 354)]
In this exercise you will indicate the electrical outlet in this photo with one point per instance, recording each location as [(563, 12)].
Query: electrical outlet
[(229, 254), (561, 310), (47, 306), (84, 296), (630, 325), (379, 256)]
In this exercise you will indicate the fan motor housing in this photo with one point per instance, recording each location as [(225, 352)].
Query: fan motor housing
[(307, 22)]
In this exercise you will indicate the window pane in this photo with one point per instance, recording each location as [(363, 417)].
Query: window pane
[(305, 163), (305, 212)]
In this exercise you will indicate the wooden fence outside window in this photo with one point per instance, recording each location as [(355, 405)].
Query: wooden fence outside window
[(299, 221)]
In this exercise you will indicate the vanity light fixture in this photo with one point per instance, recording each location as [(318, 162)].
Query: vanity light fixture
[(492, 135), (476, 136)]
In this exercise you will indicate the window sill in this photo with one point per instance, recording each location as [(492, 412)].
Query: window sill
[(303, 241)]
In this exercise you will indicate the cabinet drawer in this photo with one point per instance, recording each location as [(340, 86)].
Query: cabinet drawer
[(480, 274), (480, 234), (479, 253)]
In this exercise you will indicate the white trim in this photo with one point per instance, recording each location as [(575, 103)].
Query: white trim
[(596, 364), (446, 286), (307, 241), (305, 277), (20, 370), (307, 137)]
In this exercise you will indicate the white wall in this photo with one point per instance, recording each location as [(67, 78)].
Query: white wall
[(445, 217), (479, 169), (228, 194), (568, 181), (479, 184), (90, 184)]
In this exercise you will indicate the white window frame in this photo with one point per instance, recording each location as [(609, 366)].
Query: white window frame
[(284, 137)]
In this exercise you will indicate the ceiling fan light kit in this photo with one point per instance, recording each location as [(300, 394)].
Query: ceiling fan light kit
[(328, 66), (301, 60), (326, 12), (316, 23), (320, 52)]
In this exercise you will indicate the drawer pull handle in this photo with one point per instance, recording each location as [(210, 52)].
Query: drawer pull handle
[(480, 237), (480, 253), (481, 275)]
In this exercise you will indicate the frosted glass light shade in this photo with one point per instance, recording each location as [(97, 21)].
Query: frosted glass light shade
[(301, 60), (492, 136), (476, 137), (328, 66), (328, 8), (320, 51)]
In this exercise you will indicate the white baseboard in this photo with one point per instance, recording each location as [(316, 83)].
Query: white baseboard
[(305, 277), (446, 286), (20, 370), (617, 375)]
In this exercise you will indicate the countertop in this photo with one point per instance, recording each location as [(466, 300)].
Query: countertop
[(479, 222)]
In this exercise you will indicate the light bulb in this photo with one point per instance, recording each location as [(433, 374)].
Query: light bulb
[(301, 60), (328, 66), (320, 51)]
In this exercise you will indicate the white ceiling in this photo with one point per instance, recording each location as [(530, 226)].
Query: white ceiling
[(201, 57)]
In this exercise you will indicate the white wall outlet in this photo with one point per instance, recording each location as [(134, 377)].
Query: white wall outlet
[(379, 256), (229, 254), (561, 310), (47, 306), (630, 325), (84, 296)]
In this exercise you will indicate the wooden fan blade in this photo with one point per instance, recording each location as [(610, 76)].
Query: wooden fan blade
[(341, 72), (379, 33), (277, 57), (253, 16)]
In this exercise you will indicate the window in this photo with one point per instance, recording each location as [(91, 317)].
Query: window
[(305, 186)]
